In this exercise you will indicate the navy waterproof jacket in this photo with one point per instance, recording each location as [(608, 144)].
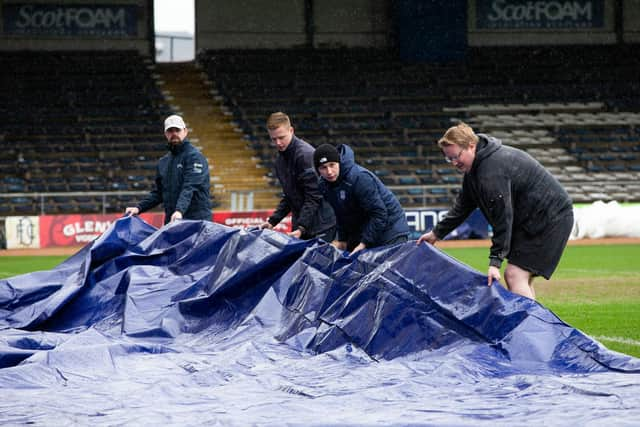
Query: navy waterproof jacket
[(182, 184), (302, 197), (512, 190), (366, 211)]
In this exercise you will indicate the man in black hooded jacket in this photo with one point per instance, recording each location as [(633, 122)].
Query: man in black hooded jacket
[(311, 215), (530, 212)]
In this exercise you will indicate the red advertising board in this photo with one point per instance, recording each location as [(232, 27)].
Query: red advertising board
[(249, 219), (72, 230), (78, 230)]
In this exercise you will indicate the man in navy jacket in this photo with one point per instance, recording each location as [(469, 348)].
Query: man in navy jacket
[(367, 212), (182, 178), (311, 215)]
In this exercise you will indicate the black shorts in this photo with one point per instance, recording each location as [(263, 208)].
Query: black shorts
[(540, 253)]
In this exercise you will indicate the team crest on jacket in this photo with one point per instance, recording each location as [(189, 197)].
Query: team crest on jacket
[(343, 195), (197, 167)]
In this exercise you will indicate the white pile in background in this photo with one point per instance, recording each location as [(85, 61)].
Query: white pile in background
[(606, 220)]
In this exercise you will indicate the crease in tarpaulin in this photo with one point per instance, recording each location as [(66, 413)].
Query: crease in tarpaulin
[(193, 275)]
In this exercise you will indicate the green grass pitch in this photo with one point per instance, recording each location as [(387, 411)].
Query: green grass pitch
[(596, 288)]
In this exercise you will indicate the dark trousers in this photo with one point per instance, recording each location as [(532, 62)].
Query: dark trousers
[(327, 235), (352, 243)]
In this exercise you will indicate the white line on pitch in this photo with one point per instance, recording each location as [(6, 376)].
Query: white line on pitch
[(619, 340)]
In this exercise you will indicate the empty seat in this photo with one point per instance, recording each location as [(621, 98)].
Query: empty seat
[(407, 180)]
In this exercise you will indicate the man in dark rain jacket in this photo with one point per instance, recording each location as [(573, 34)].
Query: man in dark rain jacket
[(367, 213), (531, 214), (182, 179), (311, 215)]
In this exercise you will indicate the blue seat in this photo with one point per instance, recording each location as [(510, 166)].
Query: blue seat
[(452, 179), (57, 187), (423, 172), (89, 207), (407, 180), (16, 188), (428, 180), (438, 190)]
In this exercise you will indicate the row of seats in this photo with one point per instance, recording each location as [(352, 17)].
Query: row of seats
[(78, 122), (100, 113), (501, 121), (390, 111)]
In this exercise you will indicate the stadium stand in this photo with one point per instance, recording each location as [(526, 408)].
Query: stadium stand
[(235, 170), (574, 108), (77, 123), (87, 122)]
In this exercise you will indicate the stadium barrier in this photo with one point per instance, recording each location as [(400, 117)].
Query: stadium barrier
[(46, 231)]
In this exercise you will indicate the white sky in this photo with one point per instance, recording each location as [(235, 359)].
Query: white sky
[(174, 16)]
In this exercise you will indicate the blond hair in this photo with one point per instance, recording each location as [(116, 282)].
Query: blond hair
[(278, 119), (461, 135)]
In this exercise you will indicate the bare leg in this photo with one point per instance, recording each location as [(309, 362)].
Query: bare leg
[(519, 281), (533, 291)]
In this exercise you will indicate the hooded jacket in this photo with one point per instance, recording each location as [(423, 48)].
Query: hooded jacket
[(366, 211), (302, 197), (512, 190), (182, 184)]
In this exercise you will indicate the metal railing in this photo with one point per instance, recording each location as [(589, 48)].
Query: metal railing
[(40, 199), (234, 200), (187, 48), (108, 202)]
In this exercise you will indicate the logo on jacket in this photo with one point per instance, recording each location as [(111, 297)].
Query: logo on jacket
[(197, 167), (343, 195)]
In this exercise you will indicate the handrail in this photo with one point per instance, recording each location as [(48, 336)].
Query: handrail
[(43, 196), (172, 38)]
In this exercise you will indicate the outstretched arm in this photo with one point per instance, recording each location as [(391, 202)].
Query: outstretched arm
[(429, 237)]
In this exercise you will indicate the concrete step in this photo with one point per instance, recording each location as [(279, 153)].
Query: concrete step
[(234, 165)]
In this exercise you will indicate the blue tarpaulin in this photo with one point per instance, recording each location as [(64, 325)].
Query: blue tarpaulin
[(198, 324)]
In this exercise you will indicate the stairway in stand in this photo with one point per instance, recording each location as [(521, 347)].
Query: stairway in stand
[(235, 170)]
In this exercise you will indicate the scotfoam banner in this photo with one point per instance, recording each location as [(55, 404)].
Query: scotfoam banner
[(539, 15), (70, 20), (423, 220)]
